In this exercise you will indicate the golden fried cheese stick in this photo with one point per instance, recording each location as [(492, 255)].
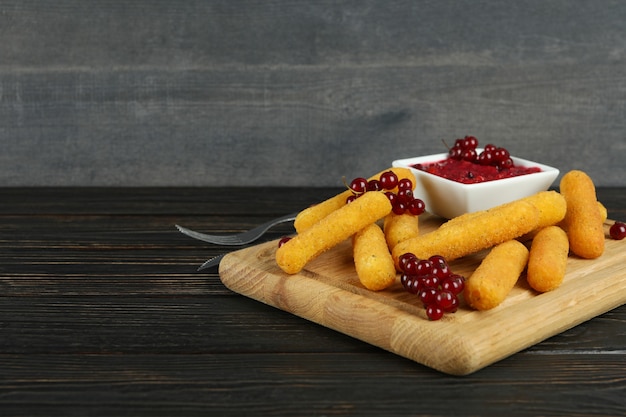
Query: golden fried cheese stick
[(332, 230), (400, 227), (491, 227), (547, 261), (551, 206), (311, 215), (604, 214), (496, 275), (372, 259), (583, 220)]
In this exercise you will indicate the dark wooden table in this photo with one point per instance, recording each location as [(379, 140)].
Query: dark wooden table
[(102, 312)]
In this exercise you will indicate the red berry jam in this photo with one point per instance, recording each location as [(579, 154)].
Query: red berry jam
[(467, 172)]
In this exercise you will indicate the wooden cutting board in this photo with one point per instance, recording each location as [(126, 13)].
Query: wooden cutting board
[(328, 292)]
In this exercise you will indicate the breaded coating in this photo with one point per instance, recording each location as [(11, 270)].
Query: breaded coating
[(583, 220), (496, 276), (400, 227), (604, 214), (552, 208), (481, 231), (547, 261), (332, 230), (372, 259)]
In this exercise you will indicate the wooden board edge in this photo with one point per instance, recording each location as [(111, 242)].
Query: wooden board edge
[(400, 332)]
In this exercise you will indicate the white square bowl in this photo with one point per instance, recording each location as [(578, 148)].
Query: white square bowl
[(449, 199)]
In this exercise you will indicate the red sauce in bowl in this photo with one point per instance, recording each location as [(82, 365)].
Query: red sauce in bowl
[(470, 173)]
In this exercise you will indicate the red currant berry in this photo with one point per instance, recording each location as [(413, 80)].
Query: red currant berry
[(470, 142), (506, 164), (490, 148), (438, 260), (417, 207), (444, 299), (410, 284), (405, 196), (469, 155), (428, 295), (414, 286), (411, 265), (420, 280), (434, 312), (500, 154), (441, 271), (398, 207), (404, 279), (402, 260), (618, 231), (423, 267), (351, 198), (454, 306), (374, 185), (283, 240), (458, 277), (456, 153), (358, 185), (388, 180), (431, 280), (405, 184), (485, 158), (452, 284)]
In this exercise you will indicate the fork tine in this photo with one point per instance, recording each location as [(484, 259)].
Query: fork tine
[(238, 238)]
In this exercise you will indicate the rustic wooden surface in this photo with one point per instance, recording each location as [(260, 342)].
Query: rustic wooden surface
[(275, 92), (102, 312)]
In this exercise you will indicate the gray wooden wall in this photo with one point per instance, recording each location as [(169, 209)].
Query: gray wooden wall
[(272, 92)]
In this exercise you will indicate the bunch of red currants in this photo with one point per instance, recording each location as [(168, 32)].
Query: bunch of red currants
[(433, 282), (402, 201), (466, 149)]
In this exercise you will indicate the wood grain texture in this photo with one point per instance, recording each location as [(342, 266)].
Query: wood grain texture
[(265, 93), (102, 313)]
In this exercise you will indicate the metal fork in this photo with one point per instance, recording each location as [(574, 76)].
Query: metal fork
[(237, 238)]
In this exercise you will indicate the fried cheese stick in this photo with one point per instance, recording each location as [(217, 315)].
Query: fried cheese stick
[(311, 215), (547, 261), (332, 230), (496, 275), (604, 214), (400, 227), (551, 206), (372, 259), (583, 220), (482, 231)]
